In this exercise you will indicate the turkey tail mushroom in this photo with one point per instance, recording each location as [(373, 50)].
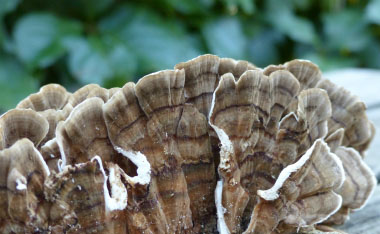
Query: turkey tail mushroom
[(151, 119), (17, 124), (216, 144), (52, 96), (22, 175)]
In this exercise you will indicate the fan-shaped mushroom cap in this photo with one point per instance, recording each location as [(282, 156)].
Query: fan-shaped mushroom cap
[(246, 116), (22, 175), (51, 154), (306, 72), (51, 103), (283, 143), (348, 113), (112, 91), (151, 118), (54, 117), (202, 76), (82, 202), (84, 135), (236, 67), (303, 185), (17, 124), (52, 96), (358, 186), (201, 80), (88, 91)]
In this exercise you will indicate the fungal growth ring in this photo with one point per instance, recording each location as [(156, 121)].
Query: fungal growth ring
[(215, 145)]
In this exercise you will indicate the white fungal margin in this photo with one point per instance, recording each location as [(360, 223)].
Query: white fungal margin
[(143, 166), (220, 210), (226, 148), (372, 181), (20, 184), (338, 162), (120, 196), (340, 201), (272, 193), (44, 165), (49, 143), (286, 116), (61, 162)]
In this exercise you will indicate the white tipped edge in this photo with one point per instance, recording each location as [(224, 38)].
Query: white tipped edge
[(301, 60), (339, 205), (155, 73), (340, 201), (220, 210), (20, 184), (286, 116), (272, 193), (49, 143), (119, 199), (143, 166), (61, 162), (44, 165), (225, 149), (338, 162), (226, 144), (373, 180)]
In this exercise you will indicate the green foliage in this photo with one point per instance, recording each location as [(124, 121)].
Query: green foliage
[(75, 42), (15, 82)]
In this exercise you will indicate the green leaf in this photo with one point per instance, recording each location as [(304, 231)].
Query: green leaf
[(92, 8), (38, 38), (8, 6), (224, 37), (302, 4), (233, 6), (191, 6), (346, 30), (116, 20), (15, 83), (95, 7), (158, 44), (262, 48), (281, 15), (248, 6), (297, 28), (370, 56), (372, 11), (99, 59)]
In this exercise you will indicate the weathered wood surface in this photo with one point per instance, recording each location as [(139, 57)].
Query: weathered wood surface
[(365, 83)]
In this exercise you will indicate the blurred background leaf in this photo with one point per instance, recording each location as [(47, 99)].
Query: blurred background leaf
[(372, 11), (109, 42), (224, 37), (15, 82), (38, 38), (8, 5)]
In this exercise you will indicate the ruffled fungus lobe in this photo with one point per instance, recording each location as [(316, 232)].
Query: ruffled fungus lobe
[(213, 145)]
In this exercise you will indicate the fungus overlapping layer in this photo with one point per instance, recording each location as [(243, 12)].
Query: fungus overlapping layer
[(215, 145)]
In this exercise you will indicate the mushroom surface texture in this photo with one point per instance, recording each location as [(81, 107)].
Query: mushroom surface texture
[(213, 146)]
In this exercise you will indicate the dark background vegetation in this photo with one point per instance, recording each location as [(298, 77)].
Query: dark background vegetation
[(110, 42)]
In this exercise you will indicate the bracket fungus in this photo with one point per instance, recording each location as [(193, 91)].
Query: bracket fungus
[(215, 145)]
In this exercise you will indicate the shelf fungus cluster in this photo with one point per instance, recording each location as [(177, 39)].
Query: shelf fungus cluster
[(214, 145)]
